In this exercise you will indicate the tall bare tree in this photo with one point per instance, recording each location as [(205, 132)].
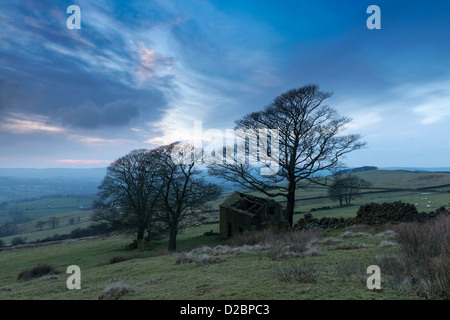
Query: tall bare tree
[(129, 192), (310, 142), (185, 190)]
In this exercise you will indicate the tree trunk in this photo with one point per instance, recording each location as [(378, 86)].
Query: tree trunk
[(290, 204), (173, 238), (140, 239)]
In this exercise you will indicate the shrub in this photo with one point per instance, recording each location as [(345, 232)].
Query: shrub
[(423, 266), (18, 240), (426, 248), (36, 272)]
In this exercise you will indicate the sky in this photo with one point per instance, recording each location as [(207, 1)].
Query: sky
[(138, 74)]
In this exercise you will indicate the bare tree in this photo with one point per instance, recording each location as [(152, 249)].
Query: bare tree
[(53, 222), (346, 187), (129, 192), (185, 191), (310, 142), (40, 224)]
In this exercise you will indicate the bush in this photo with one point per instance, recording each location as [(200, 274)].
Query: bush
[(18, 240), (423, 267), (36, 272), (377, 214)]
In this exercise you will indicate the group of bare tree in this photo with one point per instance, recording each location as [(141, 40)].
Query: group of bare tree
[(346, 186), (146, 189)]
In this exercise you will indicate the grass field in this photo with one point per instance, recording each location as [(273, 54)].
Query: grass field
[(252, 274), (338, 270)]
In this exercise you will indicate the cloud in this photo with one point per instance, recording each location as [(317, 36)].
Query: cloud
[(90, 116), (153, 64), (97, 141), (435, 107), (363, 120), (26, 124), (427, 99)]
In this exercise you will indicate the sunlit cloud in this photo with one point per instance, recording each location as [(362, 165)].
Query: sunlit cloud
[(26, 124), (153, 64), (97, 141)]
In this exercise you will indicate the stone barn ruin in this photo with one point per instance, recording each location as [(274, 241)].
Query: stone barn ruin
[(241, 212)]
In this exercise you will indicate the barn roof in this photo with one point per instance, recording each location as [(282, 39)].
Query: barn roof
[(257, 204)]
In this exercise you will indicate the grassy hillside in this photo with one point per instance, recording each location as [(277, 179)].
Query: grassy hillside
[(405, 179), (329, 265), (339, 270)]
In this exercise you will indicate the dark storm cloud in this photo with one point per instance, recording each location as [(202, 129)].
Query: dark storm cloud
[(90, 115)]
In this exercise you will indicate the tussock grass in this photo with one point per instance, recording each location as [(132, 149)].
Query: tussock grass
[(38, 271), (202, 259), (386, 234), (270, 238), (351, 234), (295, 273), (351, 246), (293, 250), (279, 245), (115, 291), (385, 243), (326, 241)]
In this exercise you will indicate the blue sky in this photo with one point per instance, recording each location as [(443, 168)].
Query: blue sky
[(139, 73)]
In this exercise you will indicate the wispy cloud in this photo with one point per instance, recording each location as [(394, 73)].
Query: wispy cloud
[(428, 100), (363, 120), (98, 141), (27, 124)]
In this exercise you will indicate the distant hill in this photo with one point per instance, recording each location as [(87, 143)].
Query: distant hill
[(17, 184), (419, 169), (405, 179), (93, 173), (359, 169)]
